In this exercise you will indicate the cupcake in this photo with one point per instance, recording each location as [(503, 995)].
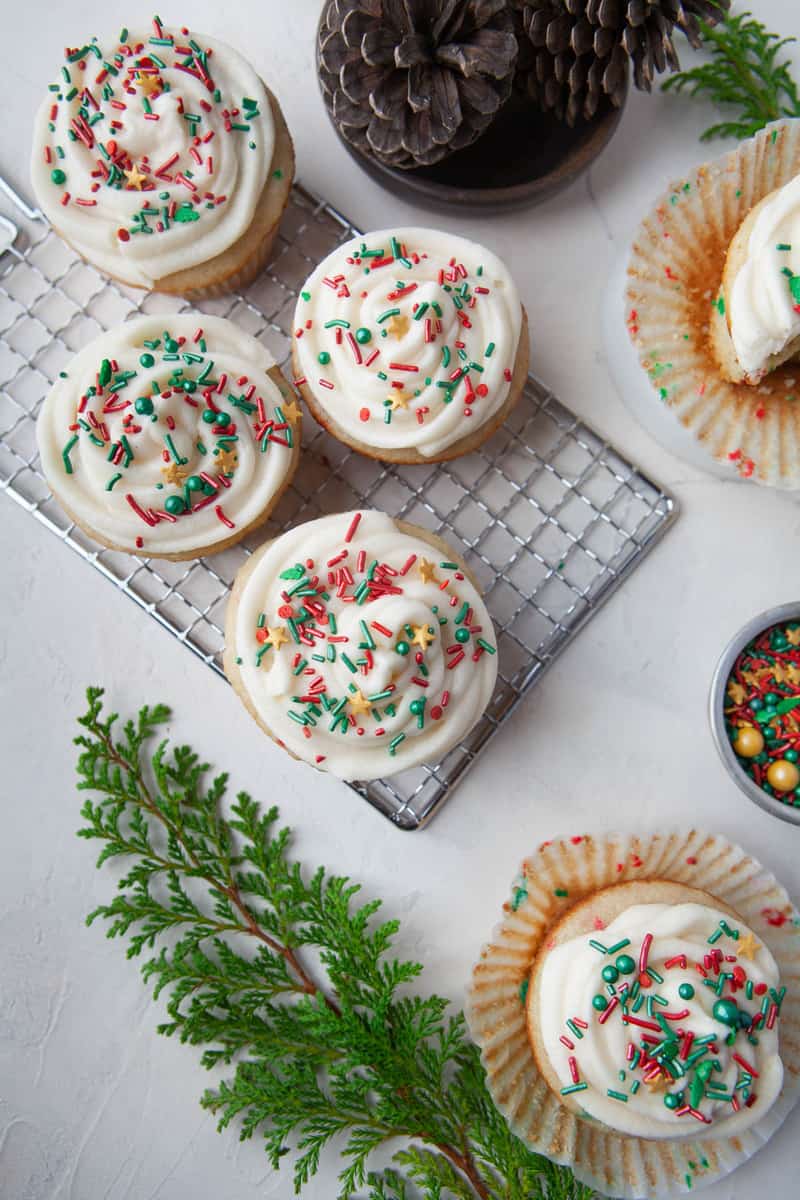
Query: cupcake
[(170, 435), (410, 345), (163, 160), (711, 306), (360, 644), (638, 1012)]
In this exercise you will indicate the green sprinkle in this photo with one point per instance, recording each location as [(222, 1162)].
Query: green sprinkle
[(573, 1087), (561, 892), (617, 1095), (65, 453), (783, 246), (114, 479)]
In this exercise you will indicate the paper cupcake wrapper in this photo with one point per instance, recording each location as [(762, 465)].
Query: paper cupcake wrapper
[(552, 880), (674, 282)]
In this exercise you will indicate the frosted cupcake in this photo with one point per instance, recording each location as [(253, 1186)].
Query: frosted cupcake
[(711, 306), (410, 345), (360, 644), (171, 436), (638, 1009), (163, 159)]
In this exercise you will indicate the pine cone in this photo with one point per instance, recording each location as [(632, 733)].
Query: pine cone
[(410, 81), (573, 52)]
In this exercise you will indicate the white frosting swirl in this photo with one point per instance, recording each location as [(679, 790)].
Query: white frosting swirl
[(129, 441), (764, 301), (183, 130), (417, 331), (361, 648), (571, 977)]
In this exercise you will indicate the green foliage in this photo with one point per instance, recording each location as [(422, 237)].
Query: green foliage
[(239, 933), (744, 73)]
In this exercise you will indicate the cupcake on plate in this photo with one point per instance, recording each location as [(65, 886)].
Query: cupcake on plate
[(712, 305), (410, 345), (360, 644), (162, 158), (172, 436), (638, 1011)]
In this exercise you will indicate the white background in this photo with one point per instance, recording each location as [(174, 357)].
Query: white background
[(95, 1106)]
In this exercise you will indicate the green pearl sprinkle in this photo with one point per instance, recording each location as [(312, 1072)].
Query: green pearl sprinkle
[(686, 991), (323, 358), (223, 418), (671, 1100), (625, 964), (58, 176), (726, 1011), (147, 360), (402, 648), (194, 483), (143, 406), (363, 336), (209, 416), (174, 505), (599, 1002), (462, 635), (610, 974)]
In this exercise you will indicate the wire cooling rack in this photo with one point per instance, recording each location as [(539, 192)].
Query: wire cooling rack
[(552, 519)]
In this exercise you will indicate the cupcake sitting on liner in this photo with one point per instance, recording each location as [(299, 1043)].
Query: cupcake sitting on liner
[(712, 306), (638, 1009), (162, 158), (360, 644), (410, 345), (171, 436)]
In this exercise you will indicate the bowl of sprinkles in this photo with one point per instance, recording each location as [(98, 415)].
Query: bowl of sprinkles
[(755, 710)]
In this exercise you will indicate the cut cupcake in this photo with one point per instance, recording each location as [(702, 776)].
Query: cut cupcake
[(360, 644), (162, 158), (411, 345), (637, 1009), (709, 308), (171, 436), (758, 322)]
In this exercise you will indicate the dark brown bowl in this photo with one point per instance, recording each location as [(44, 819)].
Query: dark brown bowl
[(524, 157)]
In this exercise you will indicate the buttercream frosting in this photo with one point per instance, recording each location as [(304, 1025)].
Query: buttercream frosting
[(665, 1023), (361, 647), (765, 296), (167, 434), (408, 337), (151, 152)]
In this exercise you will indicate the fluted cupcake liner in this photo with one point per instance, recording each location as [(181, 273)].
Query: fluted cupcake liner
[(673, 293), (558, 875)]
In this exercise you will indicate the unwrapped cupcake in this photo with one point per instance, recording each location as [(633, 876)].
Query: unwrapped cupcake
[(360, 644), (637, 1010), (172, 436), (410, 345), (162, 158), (712, 306)]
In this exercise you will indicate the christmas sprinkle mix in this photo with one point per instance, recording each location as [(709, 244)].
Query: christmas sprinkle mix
[(762, 711)]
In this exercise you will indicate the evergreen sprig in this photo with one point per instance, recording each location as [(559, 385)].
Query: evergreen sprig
[(290, 978), (744, 73)]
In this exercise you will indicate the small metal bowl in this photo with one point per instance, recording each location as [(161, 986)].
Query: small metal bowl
[(716, 702)]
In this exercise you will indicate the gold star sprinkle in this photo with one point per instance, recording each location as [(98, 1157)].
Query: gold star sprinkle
[(277, 636), (427, 572), (398, 398), (793, 636), (292, 412), (148, 84), (174, 473), (398, 326), (659, 1084), (227, 461), (747, 947), (358, 703), (135, 178), (422, 636), (737, 693)]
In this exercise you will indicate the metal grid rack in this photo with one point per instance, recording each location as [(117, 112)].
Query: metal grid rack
[(552, 519)]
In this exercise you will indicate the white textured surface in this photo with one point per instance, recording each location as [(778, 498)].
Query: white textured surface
[(93, 1105)]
